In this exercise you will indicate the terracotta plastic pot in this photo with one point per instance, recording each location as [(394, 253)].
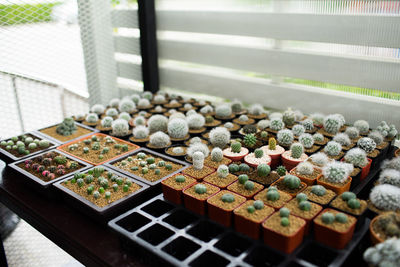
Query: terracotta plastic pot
[(330, 237), (338, 190), (235, 158), (268, 161), (365, 170), (275, 156), (172, 194), (194, 204), (220, 215), (397, 153), (290, 163), (375, 239)]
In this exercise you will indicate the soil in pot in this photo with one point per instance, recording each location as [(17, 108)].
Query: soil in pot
[(110, 189), (23, 145), (244, 190), (198, 174), (221, 205), (257, 117), (227, 118), (273, 202), (138, 141), (248, 122), (103, 129), (52, 131), (196, 201), (50, 166), (307, 215), (326, 140), (283, 238), (308, 179), (237, 168), (175, 140), (215, 164), (235, 128), (344, 205), (267, 180), (338, 188), (397, 153), (148, 145), (197, 131), (173, 151), (382, 225), (323, 200), (173, 186), (274, 154), (235, 156), (248, 218), (312, 150), (325, 133), (213, 124), (189, 142), (293, 192), (345, 148), (214, 179), (382, 145), (338, 157), (147, 166)]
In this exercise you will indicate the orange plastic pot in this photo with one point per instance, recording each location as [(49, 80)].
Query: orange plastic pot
[(375, 239), (289, 163), (194, 204), (338, 190), (220, 215), (307, 181), (333, 238), (365, 170), (172, 194)]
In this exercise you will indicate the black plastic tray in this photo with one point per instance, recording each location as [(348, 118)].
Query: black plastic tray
[(38, 132), (96, 212), (147, 151), (8, 157), (181, 238), (39, 184)]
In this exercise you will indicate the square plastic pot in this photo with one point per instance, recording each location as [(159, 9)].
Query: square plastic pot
[(220, 215), (196, 205), (172, 194), (338, 190)]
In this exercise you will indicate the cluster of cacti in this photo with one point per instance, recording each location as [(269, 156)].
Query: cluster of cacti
[(357, 157), (377, 137), (257, 205), (298, 129), (106, 122), (98, 109), (256, 109), (243, 118), (236, 147), (126, 105), (318, 119), (272, 194), (386, 197), (284, 213), (305, 168), (332, 124), (198, 147), (263, 170), (352, 132), (249, 140), (263, 124), (333, 148), (390, 176), (178, 128), (195, 121), (318, 137), (306, 140), (216, 154), (318, 190), (392, 131), (23, 144), (159, 139), (383, 128), (337, 172), (206, 109), (276, 124), (362, 126), (389, 223), (329, 218), (296, 150), (124, 116), (292, 182), (112, 112), (386, 254), (351, 200), (285, 137), (120, 127), (140, 132), (393, 163), (249, 129), (308, 124), (367, 144), (321, 159), (289, 117), (342, 139), (198, 160), (157, 123), (220, 137), (67, 127), (223, 111)]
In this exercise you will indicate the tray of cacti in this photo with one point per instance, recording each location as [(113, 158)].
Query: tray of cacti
[(260, 235), (97, 148), (23, 146), (100, 192), (147, 166), (42, 170)]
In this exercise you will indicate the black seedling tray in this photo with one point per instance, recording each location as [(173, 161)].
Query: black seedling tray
[(181, 238), (151, 152), (8, 157), (94, 211), (39, 133), (40, 185)]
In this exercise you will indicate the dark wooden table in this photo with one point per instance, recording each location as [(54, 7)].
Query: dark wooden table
[(88, 241)]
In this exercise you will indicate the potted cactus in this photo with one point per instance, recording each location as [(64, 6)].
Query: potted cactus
[(274, 151), (231, 127), (263, 136), (385, 254), (257, 157), (308, 125), (298, 130), (140, 134), (237, 168), (362, 127), (302, 208), (177, 151), (290, 184), (198, 170), (65, 131), (353, 133), (245, 187), (289, 117), (358, 158), (250, 141), (216, 158), (92, 119), (283, 231), (127, 105), (173, 186), (257, 112), (333, 150), (157, 123), (294, 156), (318, 119), (383, 198), (384, 227), (105, 124), (273, 197), (285, 137), (369, 146), (320, 139), (389, 176), (220, 137), (307, 173), (249, 216), (249, 129), (196, 124), (211, 122), (178, 130), (221, 178), (173, 103), (244, 120), (333, 228), (195, 197), (276, 124), (307, 141), (319, 159), (264, 175), (144, 104), (336, 176), (319, 194), (331, 126), (158, 110), (221, 205), (224, 112), (344, 140), (235, 152), (120, 129), (349, 203), (158, 141)]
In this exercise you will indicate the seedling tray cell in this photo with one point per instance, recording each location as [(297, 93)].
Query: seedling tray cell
[(181, 238)]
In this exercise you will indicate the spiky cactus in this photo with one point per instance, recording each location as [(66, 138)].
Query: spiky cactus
[(377, 137), (120, 127), (392, 131), (112, 112), (198, 147), (367, 144), (92, 118), (228, 125), (236, 106), (362, 126), (126, 105), (124, 116), (352, 132), (159, 139), (390, 176), (114, 103), (147, 95), (342, 139), (333, 148), (276, 124), (107, 121), (289, 117), (256, 109), (263, 124), (159, 99), (222, 171), (318, 137), (272, 144), (140, 132), (386, 197), (281, 170), (250, 140), (308, 124), (236, 147), (318, 190), (392, 164), (386, 254), (321, 159), (332, 124), (383, 128), (337, 172), (220, 137), (223, 111), (291, 181), (263, 170), (216, 154), (258, 153), (206, 109), (243, 118), (318, 119), (305, 168), (195, 121), (306, 140), (250, 129), (178, 128), (357, 157), (285, 137), (143, 103), (298, 129), (296, 150), (98, 109)]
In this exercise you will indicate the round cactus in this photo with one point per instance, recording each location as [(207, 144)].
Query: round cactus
[(318, 119), (291, 181), (342, 139), (106, 122), (203, 148), (229, 125), (124, 116), (341, 217), (367, 144), (236, 147), (216, 154), (305, 205), (352, 132), (346, 196), (285, 137), (195, 121), (332, 124), (273, 195), (250, 129), (114, 103), (357, 157), (147, 95), (276, 124), (284, 212), (306, 140), (308, 124), (386, 197), (223, 110), (120, 127), (233, 168), (243, 118), (244, 167), (362, 126), (318, 190), (392, 131), (264, 134), (220, 137), (236, 106), (298, 129), (289, 117), (157, 123), (140, 132), (200, 189), (98, 109), (159, 139), (206, 109), (249, 185), (305, 168), (143, 103), (258, 205), (178, 150), (281, 170), (377, 137), (139, 120), (126, 105), (198, 160), (228, 198), (263, 124), (256, 109), (337, 172), (392, 164), (243, 178), (251, 209), (159, 99), (296, 150), (249, 140), (390, 176), (178, 128), (222, 171), (321, 159), (318, 137), (258, 153), (92, 118), (263, 170), (112, 112), (354, 203), (301, 197), (384, 254), (333, 148), (328, 218)]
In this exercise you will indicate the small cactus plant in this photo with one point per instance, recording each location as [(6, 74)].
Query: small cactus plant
[(198, 147), (263, 124), (357, 157), (362, 126), (159, 139), (198, 160), (222, 171), (385, 197), (256, 109), (106, 122), (140, 132), (159, 99), (342, 139), (114, 103), (281, 170), (333, 148), (216, 154), (157, 123), (320, 159), (263, 170), (298, 129), (112, 112), (250, 129), (377, 137), (139, 120), (292, 182), (276, 124), (98, 109), (223, 111), (318, 190), (147, 95), (228, 125), (332, 124), (306, 140), (318, 137), (296, 150), (285, 137), (220, 137), (120, 127), (250, 140), (178, 128), (236, 106), (367, 144), (124, 116), (337, 172), (67, 127), (318, 119), (206, 109), (258, 153), (126, 105), (236, 147), (143, 103), (352, 132), (386, 254), (195, 121), (305, 168), (392, 164), (272, 144), (308, 124), (289, 117), (390, 176), (243, 118)]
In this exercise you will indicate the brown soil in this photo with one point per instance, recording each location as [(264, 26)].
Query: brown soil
[(150, 176), (93, 155), (213, 124), (241, 190), (197, 131), (323, 179), (206, 135), (136, 140), (313, 176), (284, 197), (257, 216), (215, 165), (38, 159), (281, 186), (154, 147), (179, 186), (397, 153), (198, 174), (180, 139), (312, 149), (31, 151), (373, 154), (272, 177), (257, 117), (235, 128), (338, 203), (103, 129), (326, 140), (390, 216), (226, 118), (211, 190), (169, 151), (162, 110), (202, 140), (355, 172), (248, 122), (348, 147), (91, 124), (341, 154), (325, 133), (216, 200), (274, 223), (177, 105), (51, 131), (323, 200), (382, 146), (258, 136), (214, 179), (293, 206), (336, 226), (102, 201)]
